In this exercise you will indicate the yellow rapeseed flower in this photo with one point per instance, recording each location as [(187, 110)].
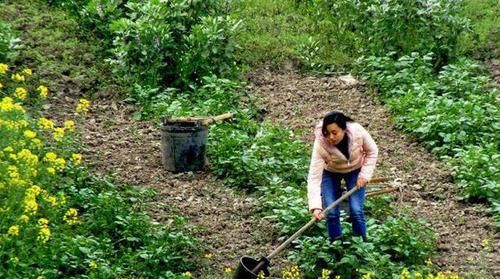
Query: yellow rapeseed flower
[(24, 218), (44, 91), (58, 134), (29, 134), (21, 93), (83, 106), (3, 68), (44, 234), (69, 125), (325, 273), (51, 170), (76, 158), (71, 216), (43, 222), (17, 77), (45, 123), (13, 230), (27, 72)]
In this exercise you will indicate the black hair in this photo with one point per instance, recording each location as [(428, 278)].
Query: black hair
[(336, 117)]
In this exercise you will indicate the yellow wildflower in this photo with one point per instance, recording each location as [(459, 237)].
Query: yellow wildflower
[(21, 93), (188, 274), (13, 230), (291, 273), (325, 273), (58, 134), (52, 200), (43, 222), (428, 261), (24, 218), (405, 274), (29, 134), (51, 170), (1, 85), (208, 255), (3, 68), (69, 125), (83, 106), (30, 206), (71, 216), (44, 91), (92, 264), (17, 77), (8, 149), (50, 157), (76, 158), (27, 72), (261, 275), (228, 270), (44, 234), (45, 123)]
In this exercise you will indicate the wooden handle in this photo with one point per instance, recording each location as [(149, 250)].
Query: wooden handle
[(386, 190), (378, 180), (209, 121), (310, 223), (205, 120)]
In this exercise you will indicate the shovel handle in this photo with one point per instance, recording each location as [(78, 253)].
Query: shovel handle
[(310, 223)]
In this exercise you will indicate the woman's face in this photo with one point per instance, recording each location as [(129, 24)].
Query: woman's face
[(335, 134)]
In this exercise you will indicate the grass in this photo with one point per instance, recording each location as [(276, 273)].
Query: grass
[(484, 42), (278, 33)]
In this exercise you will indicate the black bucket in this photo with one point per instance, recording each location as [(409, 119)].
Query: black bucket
[(244, 270), (183, 145)]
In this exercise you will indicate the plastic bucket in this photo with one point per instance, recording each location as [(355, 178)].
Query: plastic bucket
[(183, 146), (244, 270)]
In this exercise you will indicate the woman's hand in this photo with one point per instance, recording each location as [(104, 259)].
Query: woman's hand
[(318, 214), (361, 182)]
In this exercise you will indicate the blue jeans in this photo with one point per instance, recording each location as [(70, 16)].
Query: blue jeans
[(331, 191)]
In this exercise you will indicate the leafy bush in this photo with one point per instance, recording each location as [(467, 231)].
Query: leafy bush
[(376, 27), (174, 44), (8, 42)]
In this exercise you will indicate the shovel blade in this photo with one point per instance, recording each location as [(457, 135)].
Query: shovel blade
[(247, 265)]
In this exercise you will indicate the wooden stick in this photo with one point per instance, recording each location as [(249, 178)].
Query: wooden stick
[(378, 179), (386, 190), (205, 120), (217, 118)]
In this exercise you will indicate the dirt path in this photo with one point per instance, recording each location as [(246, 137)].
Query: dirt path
[(296, 101)]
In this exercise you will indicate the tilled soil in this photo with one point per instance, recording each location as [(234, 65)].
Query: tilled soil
[(299, 102)]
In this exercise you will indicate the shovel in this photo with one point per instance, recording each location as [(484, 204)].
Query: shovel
[(249, 268)]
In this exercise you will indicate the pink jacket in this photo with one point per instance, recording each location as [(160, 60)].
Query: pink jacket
[(363, 154)]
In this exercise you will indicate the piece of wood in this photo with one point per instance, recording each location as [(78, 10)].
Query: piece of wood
[(383, 191), (217, 118), (378, 180), (205, 120)]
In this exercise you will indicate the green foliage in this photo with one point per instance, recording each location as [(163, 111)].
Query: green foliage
[(375, 27), (8, 42), (393, 243), (484, 40), (162, 44), (454, 113)]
